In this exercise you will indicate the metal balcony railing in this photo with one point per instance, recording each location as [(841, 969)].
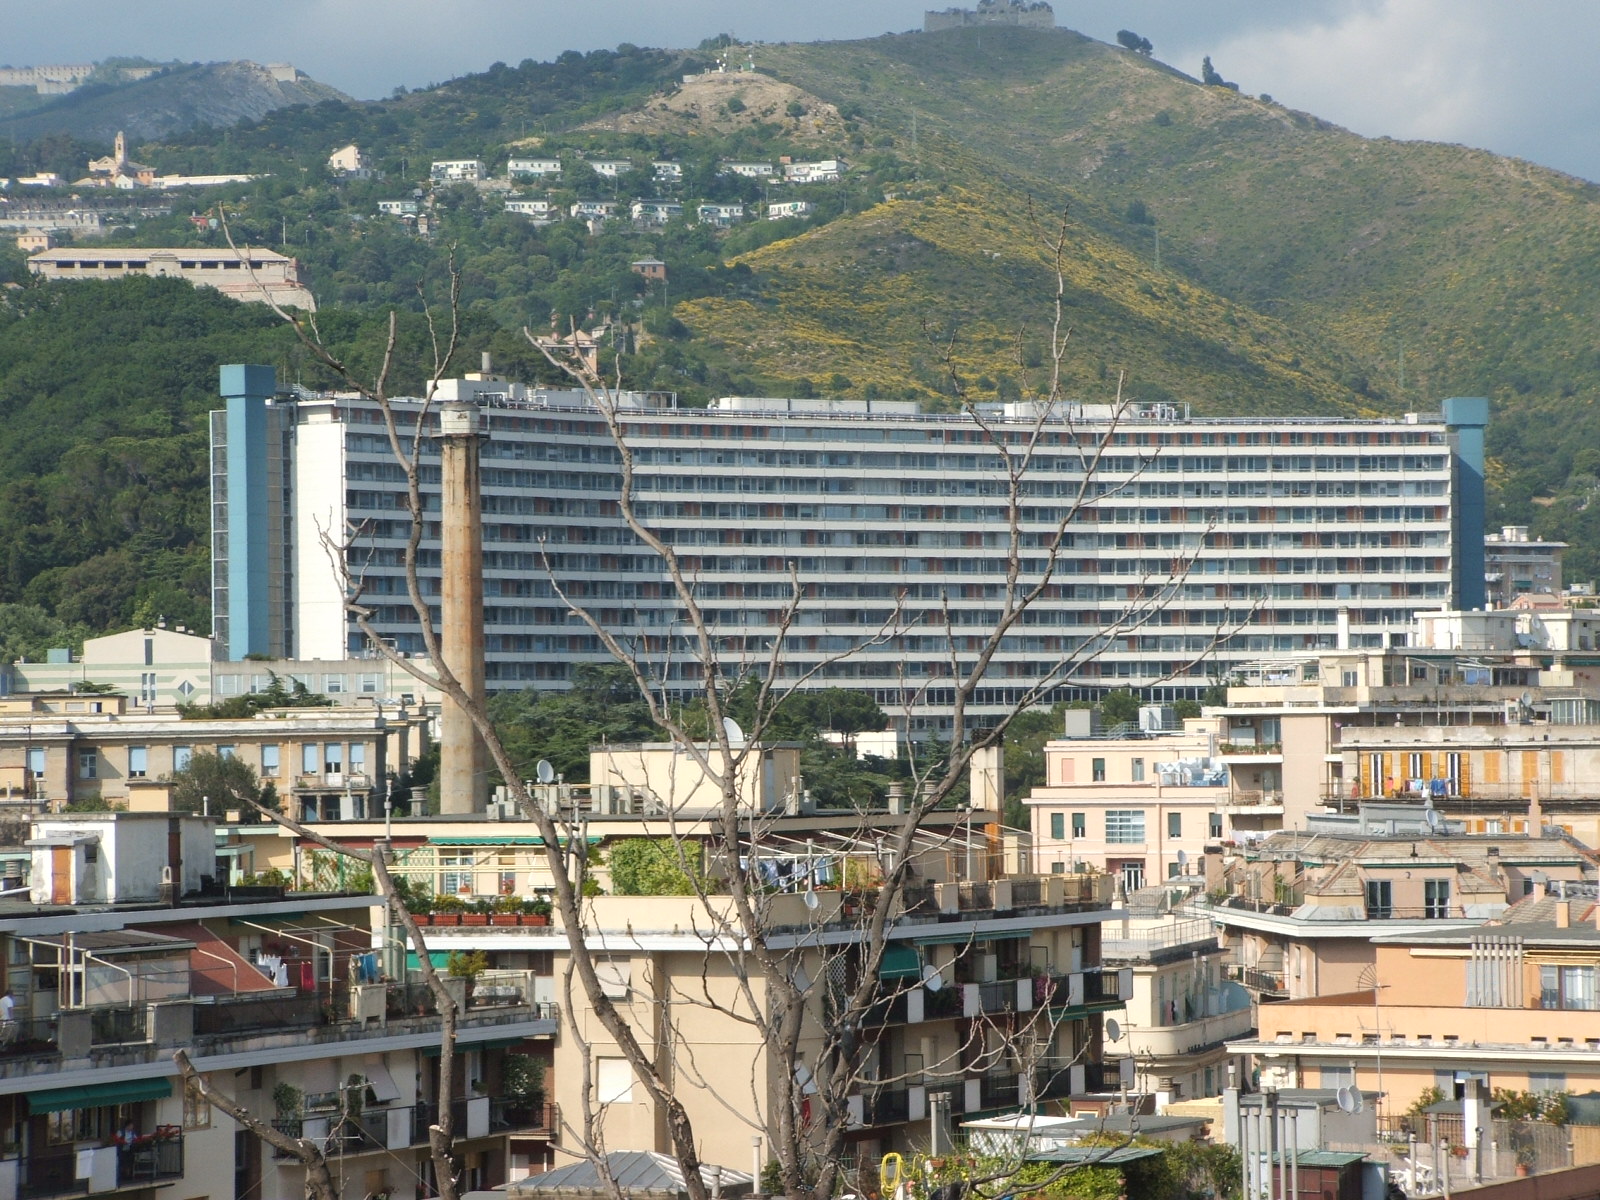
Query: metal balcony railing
[(535, 1117), (113, 1026)]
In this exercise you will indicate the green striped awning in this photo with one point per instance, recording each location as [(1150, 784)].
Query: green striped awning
[(959, 939), (463, 1047), (98, 1095), (594, 840), (900, 962)]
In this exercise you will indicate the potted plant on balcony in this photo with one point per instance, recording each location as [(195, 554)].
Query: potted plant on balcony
[(421, 907), (536, 912), (477, 913), (447, 910), (507, 911)]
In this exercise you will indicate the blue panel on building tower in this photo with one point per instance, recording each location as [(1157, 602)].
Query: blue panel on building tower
[(247, 389), (243, 379), (1466, 416)]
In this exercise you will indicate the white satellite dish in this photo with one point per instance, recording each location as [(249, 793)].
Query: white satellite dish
[(544, 771), (1435, 821), (734, 733), (1346, 1099), (811, 900), (931, 979), (1113, 1029), (1183, 858), (1358, 1099)]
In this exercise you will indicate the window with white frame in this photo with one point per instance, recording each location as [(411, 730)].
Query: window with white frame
[(138, 762), (455, 871), (181, 756), (88, 764), (613, 1081), (334, 685), (271, 762), (1125, 826), (368, 685)]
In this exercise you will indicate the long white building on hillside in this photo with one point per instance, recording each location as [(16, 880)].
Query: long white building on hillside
[(874, 505)]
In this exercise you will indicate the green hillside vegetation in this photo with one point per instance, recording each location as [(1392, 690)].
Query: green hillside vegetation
[(104, 390), (1297, 263)]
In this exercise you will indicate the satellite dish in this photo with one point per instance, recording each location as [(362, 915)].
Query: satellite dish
[(1435, 821), (1347, 1100), (545, 772), (1183, 858), (734, 733), (1113, 1029), (811, 900), (931, 979), (1358, 1099)]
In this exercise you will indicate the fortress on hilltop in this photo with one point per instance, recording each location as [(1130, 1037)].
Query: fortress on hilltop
[(1030, 14)]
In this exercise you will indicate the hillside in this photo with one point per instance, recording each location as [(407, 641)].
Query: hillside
[(863, 303), (180, 98), (1298, 263)]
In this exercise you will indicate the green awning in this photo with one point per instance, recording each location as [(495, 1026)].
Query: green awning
[(98, 1095), (961, 939), (439, 958), (501, 841), (463, 1047), (900, 962), (275, 919)]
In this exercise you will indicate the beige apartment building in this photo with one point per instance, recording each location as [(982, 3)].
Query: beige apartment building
[(252, 274), (1299, 912), (1510, 1003), (325, 763), (161, 668), (1183, 1010), (993, 997), (1145, 806)]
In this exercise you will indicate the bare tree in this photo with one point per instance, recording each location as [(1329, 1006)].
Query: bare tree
[(809, 1117)]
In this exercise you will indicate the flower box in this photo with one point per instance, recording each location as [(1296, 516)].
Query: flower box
[(534, 919), (446, 918), (503, 919), (474, 918)]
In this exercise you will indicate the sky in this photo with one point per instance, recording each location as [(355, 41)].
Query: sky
[(1515, 78)]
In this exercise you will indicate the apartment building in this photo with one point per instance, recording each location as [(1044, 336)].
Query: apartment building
[(1299, 911), (251, 275), (1145, 804), (162, 668), (723, 216), (537, 168), (882, 510), (1518, 565), (999, 1002), (1508, 1003), (1182, 1010), (123, 949), (325, 763), (458, 170)]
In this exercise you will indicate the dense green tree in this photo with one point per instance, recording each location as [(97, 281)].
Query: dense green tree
[(602, 705), (651, 867), (220, 779)]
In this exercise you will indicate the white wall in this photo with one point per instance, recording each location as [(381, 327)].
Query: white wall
[(318, 489)]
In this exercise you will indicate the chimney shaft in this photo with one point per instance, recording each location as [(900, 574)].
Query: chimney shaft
[(1563, 914), (463, 759)]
